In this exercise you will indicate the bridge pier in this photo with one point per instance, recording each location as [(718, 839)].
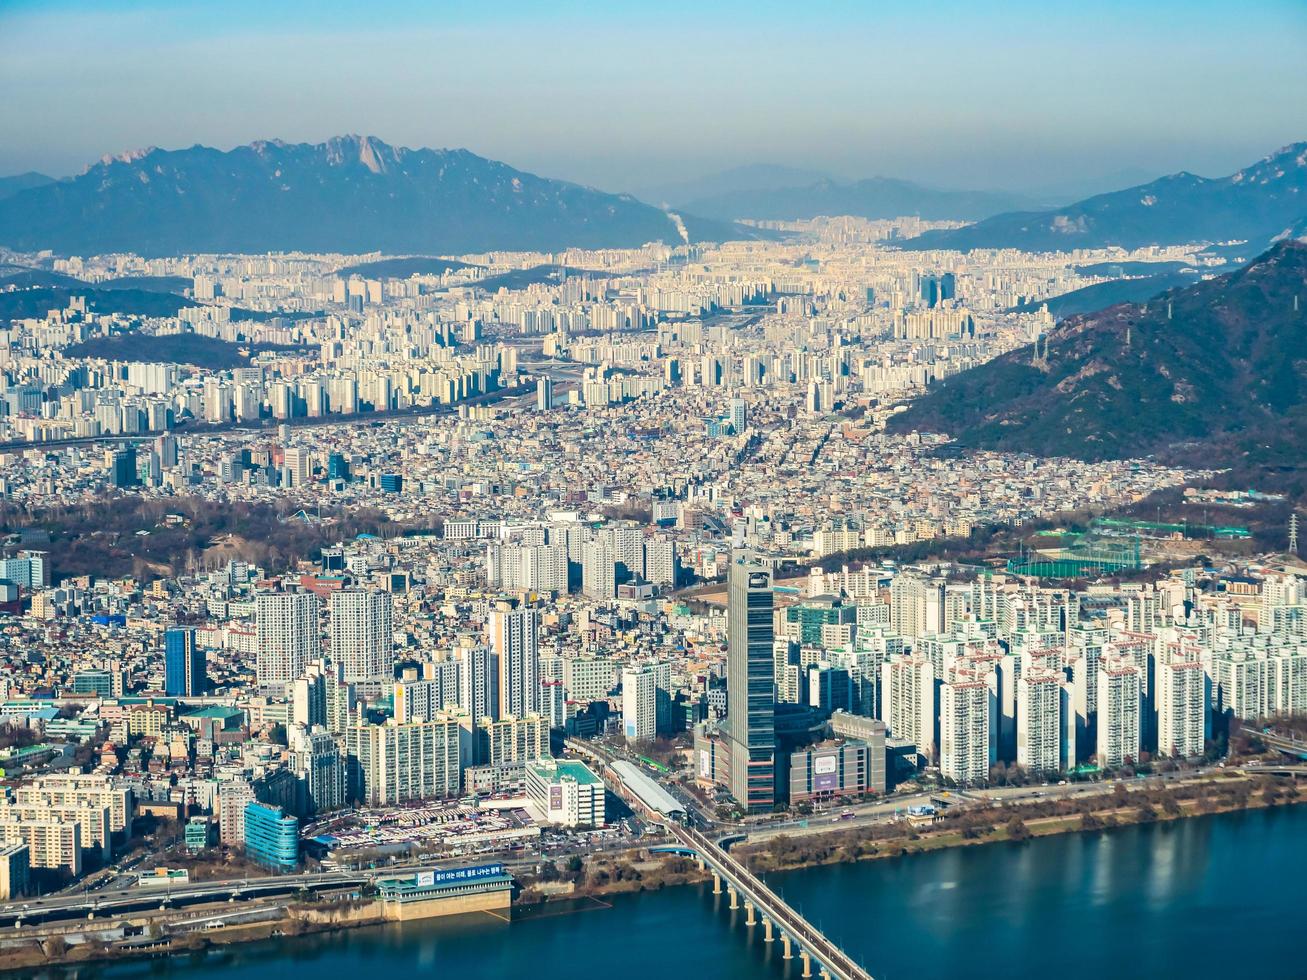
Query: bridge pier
[(807, 963), (785, 945), (767, 937), (735, 897), (824, 973), (716, 883), (749, 919)]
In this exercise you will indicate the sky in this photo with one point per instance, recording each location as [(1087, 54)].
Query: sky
[(984, 94)]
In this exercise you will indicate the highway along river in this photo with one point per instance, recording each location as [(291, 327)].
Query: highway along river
[(1217, 896)]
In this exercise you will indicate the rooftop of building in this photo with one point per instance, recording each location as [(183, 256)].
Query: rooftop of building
[(565, 769)]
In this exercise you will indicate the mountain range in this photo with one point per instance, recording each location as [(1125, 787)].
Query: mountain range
[(1214, 374), (10, 186), (874, 197), (750, 177), (1255, 205), (349, 194)]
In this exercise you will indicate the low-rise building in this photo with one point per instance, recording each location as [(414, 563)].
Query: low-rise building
[(565, 793)]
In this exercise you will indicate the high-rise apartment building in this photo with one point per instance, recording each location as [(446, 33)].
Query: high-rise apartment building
[(1039, 728), (478, 683), (1118, 715), (395, 763), (515, 640), (965, 743), (288, 638), (362, 639), (316, 761), (907, 698), (639, 704), (1181, 708)]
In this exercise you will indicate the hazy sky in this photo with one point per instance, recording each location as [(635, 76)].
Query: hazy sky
[(623, 95)]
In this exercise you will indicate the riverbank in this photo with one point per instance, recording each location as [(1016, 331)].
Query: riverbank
[(638, 871), (973, 824), (1200, 898)]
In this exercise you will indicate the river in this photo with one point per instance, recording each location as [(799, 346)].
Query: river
[(1216, 896)]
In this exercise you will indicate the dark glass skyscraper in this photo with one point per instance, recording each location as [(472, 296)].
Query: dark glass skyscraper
[(750, 689), (183, 663)]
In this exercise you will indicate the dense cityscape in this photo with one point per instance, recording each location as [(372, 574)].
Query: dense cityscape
[(348, 587)]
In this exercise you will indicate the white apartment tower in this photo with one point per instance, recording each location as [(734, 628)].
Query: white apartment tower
[(1039, 722), (515, 640), (287, 632), (362, 639), (639, 704), (1118, 715), (1181, 708), (964, 730), (908, 701)]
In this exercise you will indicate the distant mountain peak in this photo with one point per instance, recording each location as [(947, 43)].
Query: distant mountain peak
[(129, 157), (1254, 205), (349, 193)]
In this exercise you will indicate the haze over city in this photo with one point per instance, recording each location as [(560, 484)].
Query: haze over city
[(642, 490), (625, 96)]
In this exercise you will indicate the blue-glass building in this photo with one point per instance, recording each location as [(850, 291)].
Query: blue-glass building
[(272, 838), (183, 663)]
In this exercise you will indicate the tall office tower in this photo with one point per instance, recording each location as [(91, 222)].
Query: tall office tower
[(1181, 708), (515, 640), (297, 467), (544, 394), (750, 705), (948, 286), (478, 683), (38, 568), (1039, 722), (738, 413), (287, 633), (122, 467), (639, 704), (1118, 714), (362, 640), (183, 663), (907, 700), (965, 727), (166, 447)]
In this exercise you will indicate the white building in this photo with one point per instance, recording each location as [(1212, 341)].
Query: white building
[(515, 640), (1118, 715), (565, 793), (394, 763), (639, 704), (287, 627), (1181, 708), (1039, 727), (908, 701), (964, 730), (362, 639)]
